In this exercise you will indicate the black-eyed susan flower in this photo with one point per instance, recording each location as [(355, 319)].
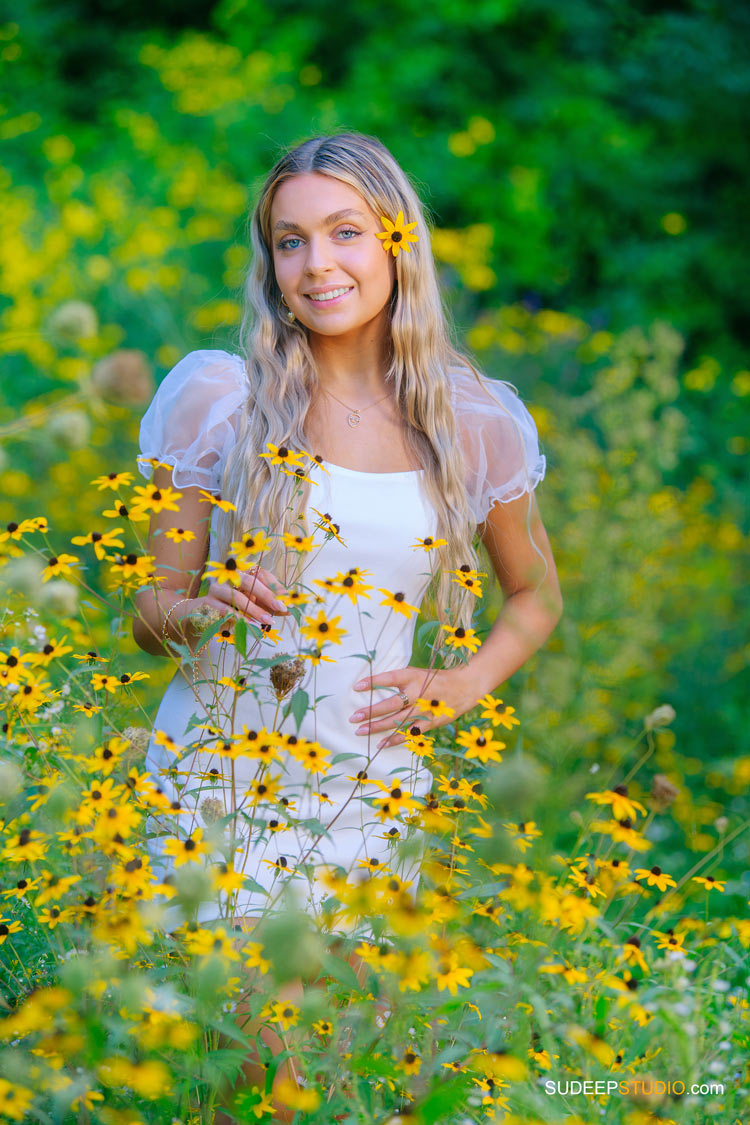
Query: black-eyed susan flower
[(436, 708), (190, 849), (225, 878), (481, 745), (622, 832), (397, 602), (410, 1062), (670, 941), (52, 650), (326, 524), (499, 713), (303, 1098), (150, 498), (99, 540), (15, 530), (27, 845), (132, 565), (229, 571), (429, 544), (122, 512), (622, 805), (631, 952), (709, 882), (451, 975), (323, 1028), (100, 681), (282, 455), (15, 1100), (397, 235), (57, 565), (251, 543), (280, 864), (523, 834), (180, 534), (469, 579), (22, 888), (217, 501), (254, 958), (8, 927), (459, 637), (263, 788), (53, 916), (655, 877), (119, 480), (323, 629), (301, 543), (13, 666), (295, 597), (352, 584), (54, 887)]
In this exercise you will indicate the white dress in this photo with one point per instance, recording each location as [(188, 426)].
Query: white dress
[(190, 425)]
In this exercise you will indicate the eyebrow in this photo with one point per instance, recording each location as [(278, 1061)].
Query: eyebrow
[(284, 224)]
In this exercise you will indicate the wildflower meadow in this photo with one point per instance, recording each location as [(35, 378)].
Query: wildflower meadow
[(575, 947)]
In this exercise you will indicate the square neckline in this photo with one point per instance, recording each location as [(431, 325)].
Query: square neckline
[(364, 473)]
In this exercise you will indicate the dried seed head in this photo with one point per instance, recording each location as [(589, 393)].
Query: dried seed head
[(211, 809), (285, 676), (663, 792)]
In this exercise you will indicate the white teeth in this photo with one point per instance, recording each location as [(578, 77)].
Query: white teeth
[(328, 296)]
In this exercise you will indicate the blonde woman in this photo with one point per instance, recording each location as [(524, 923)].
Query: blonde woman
[(344, 371)]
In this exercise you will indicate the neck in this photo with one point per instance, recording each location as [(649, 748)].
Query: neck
[(353, 364)]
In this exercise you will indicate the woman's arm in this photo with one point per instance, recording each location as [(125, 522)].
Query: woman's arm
[(180, 567), (531, 610), (532, 607)]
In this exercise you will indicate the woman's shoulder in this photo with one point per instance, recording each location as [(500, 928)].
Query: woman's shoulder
[(194, 418), (210, 368), (474, 393)]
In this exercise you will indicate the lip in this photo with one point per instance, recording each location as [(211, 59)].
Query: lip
[(329, 289)]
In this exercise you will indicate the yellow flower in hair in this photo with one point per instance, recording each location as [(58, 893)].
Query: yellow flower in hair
[(398, 235)]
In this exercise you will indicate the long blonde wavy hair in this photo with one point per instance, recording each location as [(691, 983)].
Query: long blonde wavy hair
[(284, 380)]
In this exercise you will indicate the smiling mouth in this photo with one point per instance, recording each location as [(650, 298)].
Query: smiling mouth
[(332, 295)]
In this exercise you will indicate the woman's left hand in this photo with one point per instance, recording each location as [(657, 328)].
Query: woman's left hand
[(455, 687)]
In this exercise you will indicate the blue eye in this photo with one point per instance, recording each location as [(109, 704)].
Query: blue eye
[(285, 244), (348, 231)]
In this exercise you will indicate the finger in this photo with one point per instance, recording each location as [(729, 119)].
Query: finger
[(382, 680), (394, 704), (270, 580), (251, 585), (241, 604)]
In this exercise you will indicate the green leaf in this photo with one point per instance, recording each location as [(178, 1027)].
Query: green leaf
[(298, 705), (240, 636), (340, 971)]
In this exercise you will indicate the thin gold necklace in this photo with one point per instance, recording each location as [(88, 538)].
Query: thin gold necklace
[(354, 415)]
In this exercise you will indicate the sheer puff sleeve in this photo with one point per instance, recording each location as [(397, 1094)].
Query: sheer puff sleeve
[(499, 441), (193, 419)]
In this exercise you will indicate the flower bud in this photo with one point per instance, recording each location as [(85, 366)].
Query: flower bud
[(661, 716)]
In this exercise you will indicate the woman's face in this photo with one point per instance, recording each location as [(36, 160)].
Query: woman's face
[(324, 241)]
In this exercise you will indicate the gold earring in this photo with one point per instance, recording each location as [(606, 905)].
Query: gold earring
[(290, 314)]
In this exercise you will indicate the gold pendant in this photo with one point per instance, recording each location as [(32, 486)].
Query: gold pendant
[(353, 418)]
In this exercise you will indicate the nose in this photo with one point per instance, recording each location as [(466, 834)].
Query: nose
[(318, 257)]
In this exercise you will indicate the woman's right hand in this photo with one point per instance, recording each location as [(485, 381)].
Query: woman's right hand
[(254, 598)]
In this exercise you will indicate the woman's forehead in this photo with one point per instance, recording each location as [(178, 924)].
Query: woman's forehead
[(315, 198)]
